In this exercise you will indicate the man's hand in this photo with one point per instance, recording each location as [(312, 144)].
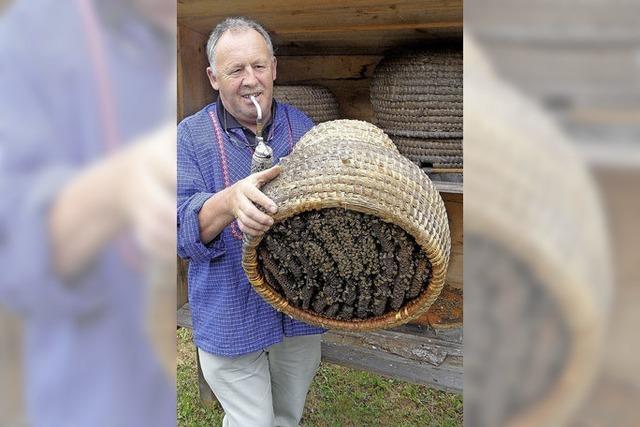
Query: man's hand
[(243, 197), (149, 193), (132, 189)]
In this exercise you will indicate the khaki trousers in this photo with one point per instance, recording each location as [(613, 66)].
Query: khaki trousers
[(266, 388)]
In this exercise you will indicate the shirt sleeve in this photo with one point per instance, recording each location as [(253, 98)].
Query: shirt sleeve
[(35, 164), (192, 194)]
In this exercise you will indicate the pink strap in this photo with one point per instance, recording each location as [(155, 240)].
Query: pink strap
[(106, 103), (235, 230)]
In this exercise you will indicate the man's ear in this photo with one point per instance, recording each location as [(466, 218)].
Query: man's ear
[(212, 79), (275, 64)]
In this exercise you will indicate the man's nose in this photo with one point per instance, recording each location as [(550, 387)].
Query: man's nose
[(249, 77)]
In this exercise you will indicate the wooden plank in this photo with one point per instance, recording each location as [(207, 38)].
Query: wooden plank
[(447, 309), (427, 348), (359, 27), (282, 16), (454, 205), (439, 366), (347, 76), (570, 77), (307, 68), (592, 22), (601, 115), (362, 42), (623, 156), (12, 405), (409, 353), (182, 296), (183, 317), (194, 90), (449, 187), (206, 394)]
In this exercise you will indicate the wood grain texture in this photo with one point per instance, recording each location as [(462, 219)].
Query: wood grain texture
[(194, 90), (12, 405), (454, 205), (410, 353), (334, 27), (283, 16)]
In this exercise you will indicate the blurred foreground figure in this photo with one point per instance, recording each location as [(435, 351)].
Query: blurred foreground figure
[(87, 177), (537, 262)]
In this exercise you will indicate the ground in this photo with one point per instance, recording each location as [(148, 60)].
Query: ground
[(339, 397)]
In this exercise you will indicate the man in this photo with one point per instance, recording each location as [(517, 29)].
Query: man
[(258, 362), (87, 154)]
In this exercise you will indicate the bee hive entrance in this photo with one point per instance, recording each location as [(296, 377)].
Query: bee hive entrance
[(343, 264)]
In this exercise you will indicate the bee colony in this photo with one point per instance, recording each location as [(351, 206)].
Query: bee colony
[(361, 238)]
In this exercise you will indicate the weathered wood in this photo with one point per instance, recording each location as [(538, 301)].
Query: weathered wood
[(454, 205), (448, 187), (206, 394), (183, 317), (410, 353), (353, 98), (313, 18), (362, 42), (562, 22), (194, 90), (182, 296), (429, 361), (446, 311), (306, 68), (12, 405), (572, 77), (348, 77)]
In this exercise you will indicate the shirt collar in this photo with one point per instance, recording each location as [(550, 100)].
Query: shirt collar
[(232, 123)]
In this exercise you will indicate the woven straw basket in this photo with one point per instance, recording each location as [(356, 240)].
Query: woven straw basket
[(417, 100), (537, 259), (435, 153), (317, 102), (353, 166)]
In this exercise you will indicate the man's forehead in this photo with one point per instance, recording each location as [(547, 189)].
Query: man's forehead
[(247, 38)]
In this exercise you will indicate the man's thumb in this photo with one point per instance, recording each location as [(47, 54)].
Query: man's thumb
[(266, 176)]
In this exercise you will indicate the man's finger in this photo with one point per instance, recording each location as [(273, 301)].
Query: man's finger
[(248, 230), (247, 208), (265, 176), (246, 220), (257, 196)]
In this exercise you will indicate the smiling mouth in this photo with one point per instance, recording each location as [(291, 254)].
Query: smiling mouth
[(248, 95)]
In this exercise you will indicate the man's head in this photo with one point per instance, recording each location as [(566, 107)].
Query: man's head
[(241, 63)]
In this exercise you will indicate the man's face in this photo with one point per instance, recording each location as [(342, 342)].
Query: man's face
[(244, 67)]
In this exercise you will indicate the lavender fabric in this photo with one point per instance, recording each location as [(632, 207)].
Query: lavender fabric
[(229, 317)]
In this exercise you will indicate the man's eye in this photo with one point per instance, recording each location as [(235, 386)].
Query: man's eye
[(235, 71), (260, 67)]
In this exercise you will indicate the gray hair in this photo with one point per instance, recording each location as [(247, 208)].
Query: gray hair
[(234, 23)]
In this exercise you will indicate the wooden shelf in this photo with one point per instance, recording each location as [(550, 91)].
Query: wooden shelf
[(412, 353), (334, 26)]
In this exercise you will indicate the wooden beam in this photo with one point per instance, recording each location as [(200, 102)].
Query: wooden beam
[(305, 68), (454, 205), (410, 353), (194, 90), (281, 16), (12, 405), (427, 359)]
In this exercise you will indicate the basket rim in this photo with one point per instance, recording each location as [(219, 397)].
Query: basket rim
[(406, 313)]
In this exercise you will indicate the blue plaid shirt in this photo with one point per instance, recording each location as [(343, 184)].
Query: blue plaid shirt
[(229, 317)]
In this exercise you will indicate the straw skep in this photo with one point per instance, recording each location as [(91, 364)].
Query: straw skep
[(417, 97), (361, 238), (317, 102)]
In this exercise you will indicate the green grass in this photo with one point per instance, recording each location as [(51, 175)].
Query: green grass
[(339, 397)]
